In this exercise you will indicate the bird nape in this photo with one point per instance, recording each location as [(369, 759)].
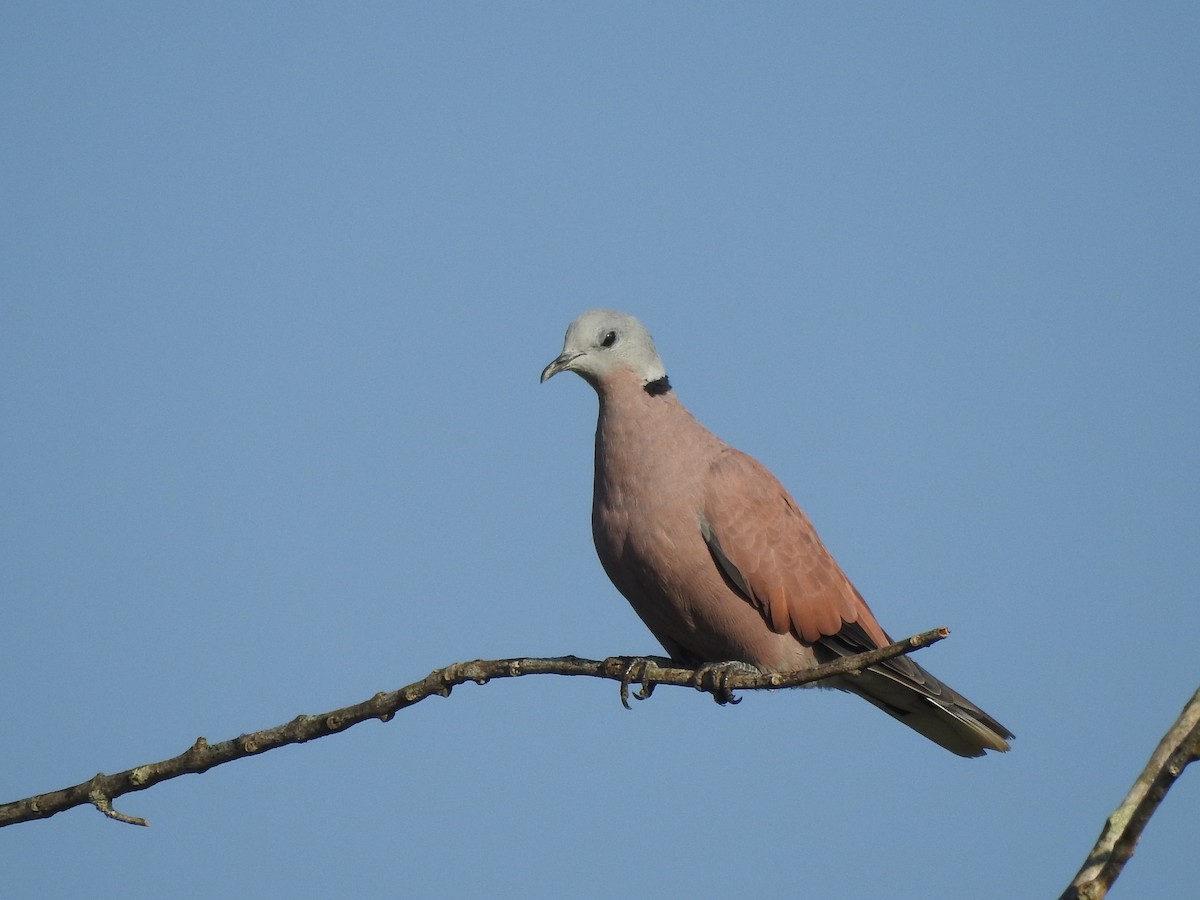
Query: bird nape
[(716, 557)]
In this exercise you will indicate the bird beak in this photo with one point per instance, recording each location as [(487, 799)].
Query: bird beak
[(561, 364)]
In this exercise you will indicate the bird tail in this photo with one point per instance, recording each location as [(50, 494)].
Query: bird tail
[(930, 708), (906, 692)]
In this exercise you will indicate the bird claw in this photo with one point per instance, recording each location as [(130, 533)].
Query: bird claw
[(714, 678), (643, 676)]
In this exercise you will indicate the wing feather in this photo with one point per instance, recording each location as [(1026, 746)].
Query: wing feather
[(770, 552)]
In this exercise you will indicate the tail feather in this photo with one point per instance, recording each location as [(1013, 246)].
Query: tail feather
[(905, 691), (939, 713)]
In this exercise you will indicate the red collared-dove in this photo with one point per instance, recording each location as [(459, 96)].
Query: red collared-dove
[(716, 557)]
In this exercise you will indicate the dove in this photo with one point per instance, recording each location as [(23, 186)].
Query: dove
[(715, 556)]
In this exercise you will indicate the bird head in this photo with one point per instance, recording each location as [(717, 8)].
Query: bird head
[(603, 342)]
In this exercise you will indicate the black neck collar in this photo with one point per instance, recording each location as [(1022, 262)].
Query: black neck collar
[(657, 387)]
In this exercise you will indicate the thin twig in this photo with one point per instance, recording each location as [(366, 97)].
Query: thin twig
[(102, 789), (104, 804), (1179, 747)]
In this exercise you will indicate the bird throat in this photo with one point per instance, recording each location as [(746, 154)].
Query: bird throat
[(657, 387)]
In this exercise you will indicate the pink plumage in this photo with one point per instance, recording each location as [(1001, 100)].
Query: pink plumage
[(716, 557)]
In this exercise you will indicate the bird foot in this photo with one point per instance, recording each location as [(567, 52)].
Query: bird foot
[(714, 678), (642, 667)]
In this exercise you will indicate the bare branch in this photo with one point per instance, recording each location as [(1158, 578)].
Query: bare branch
[(102, 789), (1179, 747)]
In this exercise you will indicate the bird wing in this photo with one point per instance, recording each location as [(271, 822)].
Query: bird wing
[(770, 553)]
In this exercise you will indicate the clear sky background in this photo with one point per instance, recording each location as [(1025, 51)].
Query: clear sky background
[(278, 282)]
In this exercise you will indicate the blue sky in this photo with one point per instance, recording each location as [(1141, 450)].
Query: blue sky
[(278, 284)]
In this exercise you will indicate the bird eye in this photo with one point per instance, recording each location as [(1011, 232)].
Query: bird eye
[(609, 339)]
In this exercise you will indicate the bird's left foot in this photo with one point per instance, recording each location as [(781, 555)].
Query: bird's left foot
[(714, 678)]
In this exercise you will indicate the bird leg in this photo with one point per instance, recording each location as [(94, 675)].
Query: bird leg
[(714, 678)]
